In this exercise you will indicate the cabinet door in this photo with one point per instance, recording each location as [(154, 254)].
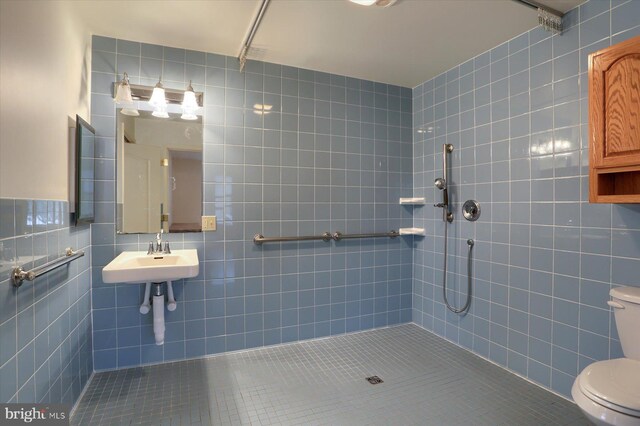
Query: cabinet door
[(614, 110)]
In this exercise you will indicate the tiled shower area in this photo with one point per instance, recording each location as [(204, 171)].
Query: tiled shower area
[(351, 331), (545, 258)]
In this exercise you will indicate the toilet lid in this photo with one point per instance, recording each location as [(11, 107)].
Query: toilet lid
[(628, 294), (614, 383)]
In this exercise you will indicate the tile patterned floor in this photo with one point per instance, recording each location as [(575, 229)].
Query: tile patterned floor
[(427, 381)]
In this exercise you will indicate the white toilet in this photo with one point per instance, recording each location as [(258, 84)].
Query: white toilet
[(608, 392)]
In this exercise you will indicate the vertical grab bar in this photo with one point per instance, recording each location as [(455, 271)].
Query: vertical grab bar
[(443, 183), (445, 176)]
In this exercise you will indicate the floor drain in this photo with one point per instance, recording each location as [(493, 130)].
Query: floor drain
[(374, 380)]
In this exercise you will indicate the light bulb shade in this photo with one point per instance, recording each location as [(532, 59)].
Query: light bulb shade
[(189, 104), (189, 115), (123, 91), (160, 111), (130, 111), (157, 97), (364, 2), (189, 101), (123, 94), (160, 114)]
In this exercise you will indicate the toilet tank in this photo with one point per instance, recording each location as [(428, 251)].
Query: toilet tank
[(626, 308)]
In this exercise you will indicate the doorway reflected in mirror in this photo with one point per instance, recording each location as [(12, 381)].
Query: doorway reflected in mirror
[(159, 174)]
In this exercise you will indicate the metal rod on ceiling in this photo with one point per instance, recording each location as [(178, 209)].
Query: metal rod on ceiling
[(535, 5), (244, 51), (548, 18)]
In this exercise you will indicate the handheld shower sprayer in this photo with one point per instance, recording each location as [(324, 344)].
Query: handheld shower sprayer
[(447, 216), (441, 184)]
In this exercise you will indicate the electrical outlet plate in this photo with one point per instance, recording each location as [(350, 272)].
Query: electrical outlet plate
[(209, 223)]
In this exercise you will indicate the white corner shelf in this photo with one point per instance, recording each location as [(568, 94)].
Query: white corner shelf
[(411, 231), (416, 201)]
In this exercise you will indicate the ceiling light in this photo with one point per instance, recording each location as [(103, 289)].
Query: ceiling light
[(124, 98)]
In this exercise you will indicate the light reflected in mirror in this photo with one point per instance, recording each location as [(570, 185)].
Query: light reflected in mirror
[(159, 174)]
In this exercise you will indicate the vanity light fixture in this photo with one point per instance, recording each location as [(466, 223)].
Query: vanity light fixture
[(159, 98), (124, 98), (189, 104), (158, 101)]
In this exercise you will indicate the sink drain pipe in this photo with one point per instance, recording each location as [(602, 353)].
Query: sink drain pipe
[(158, 307), (158, 313)]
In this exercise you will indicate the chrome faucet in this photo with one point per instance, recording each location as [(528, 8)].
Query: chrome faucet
[(159, 241), (158, 246)]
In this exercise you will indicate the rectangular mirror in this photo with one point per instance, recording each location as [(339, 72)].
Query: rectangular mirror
[(159, 174), (85, 172)]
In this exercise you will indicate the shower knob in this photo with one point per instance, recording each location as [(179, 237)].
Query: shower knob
[(440, 183), (471, 210)]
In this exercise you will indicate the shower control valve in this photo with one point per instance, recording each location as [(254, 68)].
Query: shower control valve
[(471, 210)]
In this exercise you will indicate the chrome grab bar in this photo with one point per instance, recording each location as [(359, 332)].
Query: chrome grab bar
[(259, 239), (337, 236), (18, 275)]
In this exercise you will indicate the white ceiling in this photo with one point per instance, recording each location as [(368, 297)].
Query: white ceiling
[(405, 44)]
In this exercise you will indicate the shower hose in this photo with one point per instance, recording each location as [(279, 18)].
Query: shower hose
[(470, 243)]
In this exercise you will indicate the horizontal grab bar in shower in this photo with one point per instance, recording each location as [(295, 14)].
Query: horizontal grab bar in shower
[(259, 239), (337, 236), (18, 275)]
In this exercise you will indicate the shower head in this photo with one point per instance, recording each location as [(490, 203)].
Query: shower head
[(440, 183)]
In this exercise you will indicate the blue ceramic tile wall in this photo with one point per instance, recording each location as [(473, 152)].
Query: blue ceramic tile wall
[(545, 259), (45, 325), (333, 154)]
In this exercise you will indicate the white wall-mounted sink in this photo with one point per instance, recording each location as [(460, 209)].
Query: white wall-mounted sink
[(136, 267)]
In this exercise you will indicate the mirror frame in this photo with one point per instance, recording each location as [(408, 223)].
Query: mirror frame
[(81, 217)]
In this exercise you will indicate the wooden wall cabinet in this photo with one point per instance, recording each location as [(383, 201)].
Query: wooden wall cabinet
[(614, 123)]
